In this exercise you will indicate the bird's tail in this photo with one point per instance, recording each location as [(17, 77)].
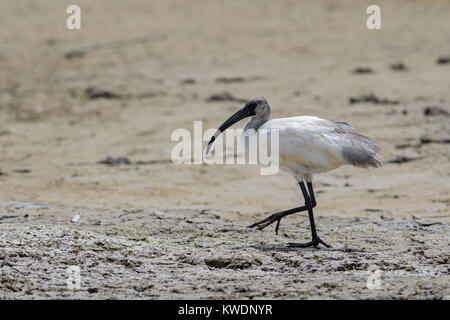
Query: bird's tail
[(361, 151)]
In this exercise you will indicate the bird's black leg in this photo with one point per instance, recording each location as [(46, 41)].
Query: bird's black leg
[(310, 203), (276, 217)]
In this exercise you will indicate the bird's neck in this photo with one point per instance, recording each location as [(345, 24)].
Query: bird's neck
[(255, 123)]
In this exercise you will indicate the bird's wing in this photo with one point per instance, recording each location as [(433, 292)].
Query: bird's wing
[(310, 122), (310, 142), (343, 125)]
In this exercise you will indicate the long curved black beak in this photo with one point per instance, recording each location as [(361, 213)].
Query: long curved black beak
[(238, 116)]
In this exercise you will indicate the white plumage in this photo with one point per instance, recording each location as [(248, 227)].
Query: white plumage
[(307, 145)]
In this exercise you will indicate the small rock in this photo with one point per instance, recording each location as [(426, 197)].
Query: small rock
[(371, 98), (76, 53), (228, 263), (188, 81), (229, 80), (403, 159), (224, 96), (435, 110), (362, 70), (110, 161), (96, 93), (399, 66), (22, 170), (443, 60), (142, 288), (427, 140)]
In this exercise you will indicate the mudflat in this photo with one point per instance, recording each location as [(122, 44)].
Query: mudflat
[(86, 118)]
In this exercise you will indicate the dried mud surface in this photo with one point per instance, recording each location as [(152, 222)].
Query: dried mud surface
[(191, 254)]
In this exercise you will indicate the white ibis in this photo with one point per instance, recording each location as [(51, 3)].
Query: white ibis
[(307, 145)]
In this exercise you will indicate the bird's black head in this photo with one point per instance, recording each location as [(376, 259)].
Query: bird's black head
[(258, 108), (250, 107)]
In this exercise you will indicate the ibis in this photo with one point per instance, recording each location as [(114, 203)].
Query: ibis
[(308, 145)]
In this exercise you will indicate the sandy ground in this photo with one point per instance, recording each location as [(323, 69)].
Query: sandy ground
[(151, 229)]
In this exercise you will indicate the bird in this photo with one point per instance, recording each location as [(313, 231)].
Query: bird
[(308, 145)]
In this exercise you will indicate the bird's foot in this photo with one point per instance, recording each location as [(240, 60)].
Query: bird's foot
[(276, 217), (268, 221), (313, 243)]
